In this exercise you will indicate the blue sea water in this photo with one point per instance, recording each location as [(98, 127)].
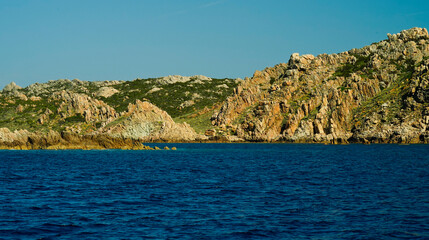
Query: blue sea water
[(217, 191)]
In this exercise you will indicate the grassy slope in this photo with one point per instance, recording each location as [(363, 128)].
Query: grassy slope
[(171, 96), (205, 96)]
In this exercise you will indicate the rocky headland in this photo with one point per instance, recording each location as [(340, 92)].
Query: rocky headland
[(376, 94)]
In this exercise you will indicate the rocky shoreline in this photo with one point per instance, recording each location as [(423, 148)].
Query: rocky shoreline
[(375, 94), (24, 140)]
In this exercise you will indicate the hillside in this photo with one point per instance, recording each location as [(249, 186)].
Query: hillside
[(376, 94)]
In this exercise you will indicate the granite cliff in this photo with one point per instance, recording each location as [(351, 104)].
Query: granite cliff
[(376, 94)]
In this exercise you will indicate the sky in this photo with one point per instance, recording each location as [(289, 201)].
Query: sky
[(94, 40)]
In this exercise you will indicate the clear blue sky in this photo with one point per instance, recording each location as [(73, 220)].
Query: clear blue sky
[(41, 40)]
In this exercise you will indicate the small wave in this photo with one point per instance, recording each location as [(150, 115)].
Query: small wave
[(253, 233), (98, 225), (9, 177), (403, 235), (84, 219), (129, 202), (40, 208), (17, 232), (53, 226)]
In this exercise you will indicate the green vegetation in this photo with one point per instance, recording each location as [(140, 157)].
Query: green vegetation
[(359, 66), (312, 115), (405, 68), (181, 100), (294, 105), (169, 97), (343, 88), (28, 114), (75, 119), (200, 123), (285, 119)]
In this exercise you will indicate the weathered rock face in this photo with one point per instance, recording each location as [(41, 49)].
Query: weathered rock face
[(145, 121), (92, 110), (410, 123), (338, 98), (25, 140), (248, 93), (17, 137)]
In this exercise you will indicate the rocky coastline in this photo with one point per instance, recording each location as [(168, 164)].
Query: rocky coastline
[(375, 94)]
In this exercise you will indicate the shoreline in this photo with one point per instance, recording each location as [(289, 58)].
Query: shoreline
[(158, 145)]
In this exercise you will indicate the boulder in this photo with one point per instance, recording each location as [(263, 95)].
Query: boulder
[(144, 120), (106, 92), (11, 87)]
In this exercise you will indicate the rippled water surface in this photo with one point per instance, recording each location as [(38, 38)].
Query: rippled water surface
[(217, 191)]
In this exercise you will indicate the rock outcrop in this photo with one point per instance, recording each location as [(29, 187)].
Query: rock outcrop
[(75, 85), (181, 79), (25, 140), (375, 94), (92, 110), (106, 92), (11, 87), (145, 121)]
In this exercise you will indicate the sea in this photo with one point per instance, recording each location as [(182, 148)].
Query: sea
[(217, 191)]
